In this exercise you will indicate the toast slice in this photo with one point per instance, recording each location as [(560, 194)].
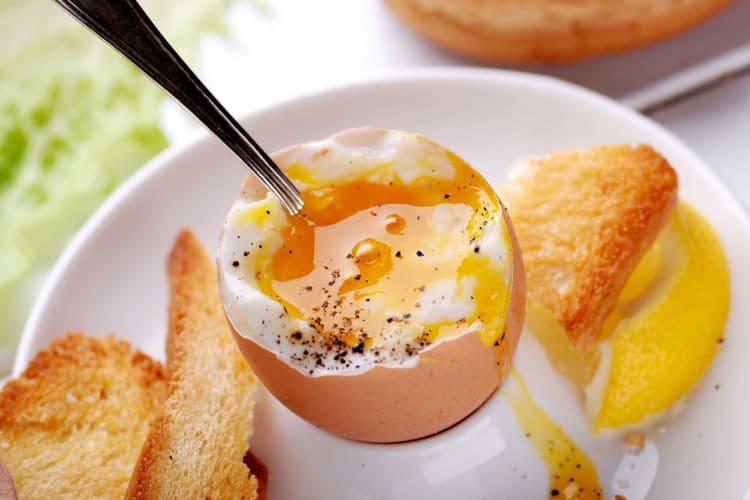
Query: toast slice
[(71, 425), (584, 219), (198, 441)]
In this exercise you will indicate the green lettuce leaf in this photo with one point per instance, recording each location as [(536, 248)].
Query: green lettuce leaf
[(76, 119)]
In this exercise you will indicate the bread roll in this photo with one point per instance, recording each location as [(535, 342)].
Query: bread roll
[(549, 30)]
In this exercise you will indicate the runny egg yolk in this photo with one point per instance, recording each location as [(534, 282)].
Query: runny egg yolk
[(572, 473), (357, 261)]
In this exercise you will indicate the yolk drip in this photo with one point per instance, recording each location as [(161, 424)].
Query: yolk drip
[(355, 262), (373, 260), (572, 474), (395, 224)]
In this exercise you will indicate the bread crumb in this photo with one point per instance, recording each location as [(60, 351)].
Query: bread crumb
[(635, 442)]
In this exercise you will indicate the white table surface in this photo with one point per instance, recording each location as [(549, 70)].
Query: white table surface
[(294, 46)]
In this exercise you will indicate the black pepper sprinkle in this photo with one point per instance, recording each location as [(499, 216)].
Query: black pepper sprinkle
[(297, 335), (476, 249), (236, 264), (554, 493), (446, 196), (419, 253), (268, 212), (398, 254), (245, 253)]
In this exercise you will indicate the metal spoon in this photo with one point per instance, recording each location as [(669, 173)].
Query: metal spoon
[(126, 27)]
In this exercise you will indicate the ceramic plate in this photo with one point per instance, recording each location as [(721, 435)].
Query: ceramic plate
[(111, 279)]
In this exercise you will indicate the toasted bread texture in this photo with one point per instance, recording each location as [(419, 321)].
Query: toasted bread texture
[(584, 219), (549, 30), (198, 441), (72, 424)]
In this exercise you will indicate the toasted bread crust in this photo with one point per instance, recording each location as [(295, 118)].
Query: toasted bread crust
[(584, 219), (544, 30), (71, 424), (197, 443)]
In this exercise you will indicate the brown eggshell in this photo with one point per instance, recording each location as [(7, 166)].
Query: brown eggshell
[(386, 404)]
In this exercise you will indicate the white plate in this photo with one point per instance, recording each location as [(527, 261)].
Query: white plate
[(111, 278)]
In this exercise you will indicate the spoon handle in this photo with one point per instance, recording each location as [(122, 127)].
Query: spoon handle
[(125, 26)]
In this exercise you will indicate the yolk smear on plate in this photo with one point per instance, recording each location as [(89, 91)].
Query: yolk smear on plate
[(666, 341), (661, 336), (358, 259), (572, 474)]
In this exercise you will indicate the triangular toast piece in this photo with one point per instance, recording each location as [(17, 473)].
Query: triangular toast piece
[(584, 219)]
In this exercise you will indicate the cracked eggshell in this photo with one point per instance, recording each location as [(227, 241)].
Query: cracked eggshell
[(387, 404)]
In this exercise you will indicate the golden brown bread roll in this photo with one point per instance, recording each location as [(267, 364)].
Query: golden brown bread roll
[(549, 30)]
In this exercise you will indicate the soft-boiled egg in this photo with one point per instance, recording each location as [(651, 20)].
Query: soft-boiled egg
[(389, 309)]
